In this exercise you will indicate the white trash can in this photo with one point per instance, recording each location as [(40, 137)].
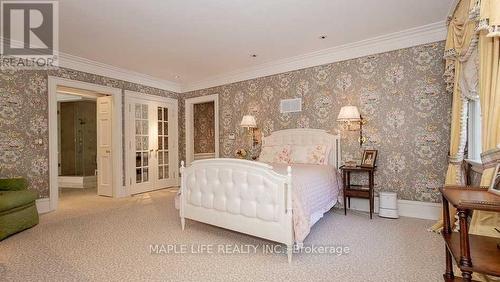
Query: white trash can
[(388, 205)]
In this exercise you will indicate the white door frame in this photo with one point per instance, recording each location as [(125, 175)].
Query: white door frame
[(116, 93), (189, 105), (129, 128)]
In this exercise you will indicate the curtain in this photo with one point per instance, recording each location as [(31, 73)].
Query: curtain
[(485, 14), (489, 84), (461, 42)]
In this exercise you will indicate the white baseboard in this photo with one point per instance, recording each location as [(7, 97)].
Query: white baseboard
[(77, 182), (43, 205), (415, 209)]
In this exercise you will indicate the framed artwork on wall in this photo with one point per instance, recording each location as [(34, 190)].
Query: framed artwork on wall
[(369, 158)]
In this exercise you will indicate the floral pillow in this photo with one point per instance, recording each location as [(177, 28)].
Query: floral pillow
[(312, 154), (275, 154)]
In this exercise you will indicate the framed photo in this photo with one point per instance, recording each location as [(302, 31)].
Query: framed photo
[(369, 158), (495, 182)]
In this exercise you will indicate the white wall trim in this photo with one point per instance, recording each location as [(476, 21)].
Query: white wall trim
[(189, 126), (415, 209), (43, 205), (85, 65), (149, 97), (116, 93), (398, 40), (77, 182), (393, 41), (93, 67)]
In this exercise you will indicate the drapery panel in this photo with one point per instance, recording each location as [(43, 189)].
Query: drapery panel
[(483, 223), (460, 43), (475, 27), (473, 23)]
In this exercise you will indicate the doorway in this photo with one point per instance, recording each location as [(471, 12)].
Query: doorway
[(202, 128), (151, 137), (77, 138), (87, 152)]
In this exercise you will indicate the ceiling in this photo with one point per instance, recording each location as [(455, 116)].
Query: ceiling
[(187, 41)]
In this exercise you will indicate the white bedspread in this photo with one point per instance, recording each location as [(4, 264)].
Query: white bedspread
[(316, 189)]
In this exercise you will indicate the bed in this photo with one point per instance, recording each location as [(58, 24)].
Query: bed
[(275, 201)]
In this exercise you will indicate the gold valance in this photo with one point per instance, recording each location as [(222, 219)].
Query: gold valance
[(487, 14)]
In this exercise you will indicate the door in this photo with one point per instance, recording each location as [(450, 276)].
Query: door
[(104, 145), (142, 147), (152, 147), (165, 146)]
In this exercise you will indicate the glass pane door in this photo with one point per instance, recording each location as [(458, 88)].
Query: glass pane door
[(163, 163), (141, 143)]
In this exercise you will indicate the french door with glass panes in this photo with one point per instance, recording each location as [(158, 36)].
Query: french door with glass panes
[(152, 144)]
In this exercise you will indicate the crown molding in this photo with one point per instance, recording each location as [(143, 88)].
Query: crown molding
[(89, 66), (380, 44), (402, 39), (94, 67)]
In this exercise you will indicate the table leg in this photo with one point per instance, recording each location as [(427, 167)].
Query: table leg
[(370, 187), (446, 217), (448, 275), (344, 179), (465, 258)]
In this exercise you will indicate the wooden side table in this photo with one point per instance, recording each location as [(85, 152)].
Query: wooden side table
[(472, 253), (358, 191)]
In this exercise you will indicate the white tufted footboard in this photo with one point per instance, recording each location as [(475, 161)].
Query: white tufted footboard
[(244, 196)]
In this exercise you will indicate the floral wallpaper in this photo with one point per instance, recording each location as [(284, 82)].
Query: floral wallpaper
[(24, 119), (401, 94), (204, 128)]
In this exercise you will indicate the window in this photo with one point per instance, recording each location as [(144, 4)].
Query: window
[(474, 131)]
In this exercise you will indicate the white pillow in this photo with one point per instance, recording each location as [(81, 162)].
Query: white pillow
[(275, 154), (310, 154)]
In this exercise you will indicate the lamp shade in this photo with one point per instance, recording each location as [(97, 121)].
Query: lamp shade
[(249, 122), (349, 113)]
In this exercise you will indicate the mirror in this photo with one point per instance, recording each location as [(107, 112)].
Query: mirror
[(495, 182)]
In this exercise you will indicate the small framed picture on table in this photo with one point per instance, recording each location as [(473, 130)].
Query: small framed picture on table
[(369, 158), (495, 182)]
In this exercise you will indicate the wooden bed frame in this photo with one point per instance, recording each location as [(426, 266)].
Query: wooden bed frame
[(248, 196)]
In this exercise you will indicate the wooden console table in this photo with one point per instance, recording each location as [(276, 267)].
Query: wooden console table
[(472, 253)]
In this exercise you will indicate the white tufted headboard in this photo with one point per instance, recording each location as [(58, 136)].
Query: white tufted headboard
[(307, 136)]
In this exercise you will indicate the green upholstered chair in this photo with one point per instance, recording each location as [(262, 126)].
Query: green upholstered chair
[(17, 207)]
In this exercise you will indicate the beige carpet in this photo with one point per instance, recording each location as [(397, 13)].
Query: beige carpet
[(94, 238)]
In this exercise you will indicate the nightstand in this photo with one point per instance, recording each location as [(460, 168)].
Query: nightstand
[(358, 191)]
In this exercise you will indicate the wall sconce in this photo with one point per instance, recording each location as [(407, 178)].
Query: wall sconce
[(250, 124), (349, 115)]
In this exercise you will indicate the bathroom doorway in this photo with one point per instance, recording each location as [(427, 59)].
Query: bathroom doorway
[(77, 125), (77, 139), (84, 140)]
